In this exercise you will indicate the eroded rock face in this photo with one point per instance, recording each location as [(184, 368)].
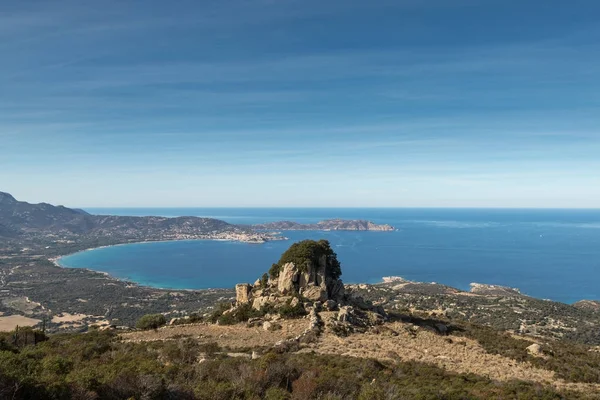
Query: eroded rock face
[(310, 280), (288, 279), (314, 293)]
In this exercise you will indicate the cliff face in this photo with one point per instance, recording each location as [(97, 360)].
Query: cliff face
[(312, 282), (308, 274)]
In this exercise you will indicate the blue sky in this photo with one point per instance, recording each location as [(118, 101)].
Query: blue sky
[(397, 103)]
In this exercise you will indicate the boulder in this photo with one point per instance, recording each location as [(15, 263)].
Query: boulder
[(260, 302), (330, 305), (535, 350), (315, 293), (271, 326), (346, 314), (242, 293), (441, 328)]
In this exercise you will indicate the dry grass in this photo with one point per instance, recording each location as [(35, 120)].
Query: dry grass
[(395, 341), (456, 354), (228, 336), (69, 318), (9, 323)]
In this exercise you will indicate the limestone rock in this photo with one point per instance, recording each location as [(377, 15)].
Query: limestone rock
[(260, 302), (345, 314), (271, 326), (315, 293), (242, 293), (288, 277), (331, 305), (535, 350)]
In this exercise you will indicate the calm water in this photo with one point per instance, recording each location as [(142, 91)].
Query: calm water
[(552, 254)]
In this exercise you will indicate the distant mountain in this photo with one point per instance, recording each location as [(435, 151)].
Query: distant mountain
[(326, 225), (21, 218), (6, 232)]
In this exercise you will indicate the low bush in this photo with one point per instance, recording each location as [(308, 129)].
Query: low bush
[(151, 321), (288, 311), (97, 365)]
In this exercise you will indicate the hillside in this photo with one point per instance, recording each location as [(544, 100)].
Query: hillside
[(299, 333), (24, 220)]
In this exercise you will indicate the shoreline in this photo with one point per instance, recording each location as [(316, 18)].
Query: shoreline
[(57, 260), (382, 280)]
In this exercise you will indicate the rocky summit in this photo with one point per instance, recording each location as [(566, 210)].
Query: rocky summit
[(308, 277)]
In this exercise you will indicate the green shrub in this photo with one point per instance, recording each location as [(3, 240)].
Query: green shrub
[(288, 311), (275, 393), (218, 312), (240, 314), (151, 321)]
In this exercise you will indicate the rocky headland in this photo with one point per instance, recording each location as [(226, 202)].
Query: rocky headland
[(326, 225)]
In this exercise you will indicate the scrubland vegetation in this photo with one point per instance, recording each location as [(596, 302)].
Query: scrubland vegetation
[(100, 365)]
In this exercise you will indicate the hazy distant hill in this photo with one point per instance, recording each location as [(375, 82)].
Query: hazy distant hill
[(326, 225), (17, 217), (21, 216)]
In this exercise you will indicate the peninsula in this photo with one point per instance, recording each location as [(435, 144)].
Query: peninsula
[(326, 225), (47, 224)]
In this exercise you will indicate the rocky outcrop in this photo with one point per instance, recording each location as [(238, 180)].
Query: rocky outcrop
[(588, 305), (306, 281), (288, 279), (312, 282), (242, 293), (327, 225)]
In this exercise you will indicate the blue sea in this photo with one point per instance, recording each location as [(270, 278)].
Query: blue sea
[(551, 254)]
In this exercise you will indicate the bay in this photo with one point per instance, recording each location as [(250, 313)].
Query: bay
[(553, 254)]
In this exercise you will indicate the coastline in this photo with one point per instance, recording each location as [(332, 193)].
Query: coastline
[(57, 260)]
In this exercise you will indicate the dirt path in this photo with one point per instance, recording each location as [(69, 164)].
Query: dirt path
[(230, 337)]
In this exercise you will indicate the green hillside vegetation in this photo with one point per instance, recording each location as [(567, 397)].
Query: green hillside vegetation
[(99, 365)]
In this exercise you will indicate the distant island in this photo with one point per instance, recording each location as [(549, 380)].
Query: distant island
[(326, 225)]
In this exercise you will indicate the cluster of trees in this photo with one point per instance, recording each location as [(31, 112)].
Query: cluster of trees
[(309, 252)]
